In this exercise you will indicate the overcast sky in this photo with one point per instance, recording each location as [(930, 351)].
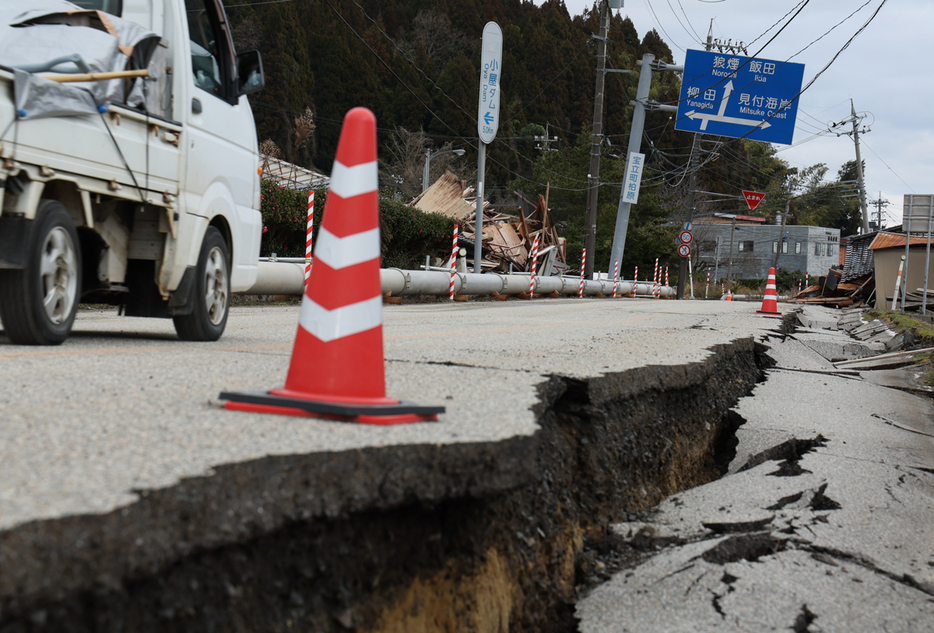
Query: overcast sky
[(886, 70)]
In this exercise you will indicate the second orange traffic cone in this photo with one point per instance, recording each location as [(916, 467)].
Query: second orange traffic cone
[(770, 300), (337, 368)]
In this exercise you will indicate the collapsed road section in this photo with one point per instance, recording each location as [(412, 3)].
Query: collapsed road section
[(823, 524), (534, 486), (138, 511)]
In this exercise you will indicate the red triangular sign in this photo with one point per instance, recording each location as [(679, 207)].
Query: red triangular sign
[(753, 198)]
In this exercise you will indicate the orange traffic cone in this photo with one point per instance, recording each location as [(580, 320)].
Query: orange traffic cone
[(770, 300), (729, 295), (337, 368)]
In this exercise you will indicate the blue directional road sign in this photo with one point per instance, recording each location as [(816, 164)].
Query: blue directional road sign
[(736, 96)]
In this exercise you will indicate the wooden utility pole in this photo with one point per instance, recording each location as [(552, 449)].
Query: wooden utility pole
[(596, 143)]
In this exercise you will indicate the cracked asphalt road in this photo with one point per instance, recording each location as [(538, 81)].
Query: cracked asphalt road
[(825, 522), (125, 406)]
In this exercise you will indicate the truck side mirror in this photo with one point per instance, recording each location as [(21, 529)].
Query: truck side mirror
[(250, 72)]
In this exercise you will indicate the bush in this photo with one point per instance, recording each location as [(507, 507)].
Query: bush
[(285, 218), (407, 234)]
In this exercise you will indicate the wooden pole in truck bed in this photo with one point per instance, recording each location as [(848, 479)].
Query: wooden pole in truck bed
[(119, 74)]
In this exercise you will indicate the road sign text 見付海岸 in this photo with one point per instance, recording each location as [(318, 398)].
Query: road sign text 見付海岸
[(736, 96)]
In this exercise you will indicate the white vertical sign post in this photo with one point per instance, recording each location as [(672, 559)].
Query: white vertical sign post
[(491, 62), (633, 180)]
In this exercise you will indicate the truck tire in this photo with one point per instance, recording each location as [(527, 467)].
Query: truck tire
[(38, 303), (211, 293)]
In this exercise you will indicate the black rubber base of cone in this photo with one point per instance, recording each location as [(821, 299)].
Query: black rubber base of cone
[(264, 398)]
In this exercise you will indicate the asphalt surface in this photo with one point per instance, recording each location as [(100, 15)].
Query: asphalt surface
[(834, 534), (109, 438), (125, 406)]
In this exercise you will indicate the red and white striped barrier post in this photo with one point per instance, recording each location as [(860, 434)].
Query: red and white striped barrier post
[(635, 281), (453, 261), (655, 292), (807, 277), (707, 285), (580, 292), (666, 274), (311, 225), (615, 277), (534, 265), (898, 284)]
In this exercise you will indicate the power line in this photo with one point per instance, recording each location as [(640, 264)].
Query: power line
[(828, 31), (887, 165), (659, 24), (832, 60), (675, 13)]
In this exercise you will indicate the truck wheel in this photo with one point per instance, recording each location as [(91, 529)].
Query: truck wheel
[(38, 303), (211, 294)]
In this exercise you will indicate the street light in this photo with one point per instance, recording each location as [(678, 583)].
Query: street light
[(429, 154)]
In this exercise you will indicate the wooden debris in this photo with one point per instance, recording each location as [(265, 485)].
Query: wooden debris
[(507, 239), (833, 293)]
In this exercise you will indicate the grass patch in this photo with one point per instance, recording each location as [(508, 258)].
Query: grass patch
[(904, 322)]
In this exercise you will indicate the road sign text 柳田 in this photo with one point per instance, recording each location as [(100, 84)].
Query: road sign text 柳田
[(736, 96)]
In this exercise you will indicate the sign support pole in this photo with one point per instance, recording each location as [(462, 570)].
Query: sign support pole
[(692, 187), (491, 62), (478, 223), (927, 261)]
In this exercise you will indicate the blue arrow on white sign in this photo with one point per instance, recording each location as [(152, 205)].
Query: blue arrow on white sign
[(491, 67)]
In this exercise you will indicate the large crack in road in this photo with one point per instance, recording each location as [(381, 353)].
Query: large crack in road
[(482, 552), (824, 530)]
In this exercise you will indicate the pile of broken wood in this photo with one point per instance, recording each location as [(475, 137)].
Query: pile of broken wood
[(915, 300), (507, 239), (833, 293)]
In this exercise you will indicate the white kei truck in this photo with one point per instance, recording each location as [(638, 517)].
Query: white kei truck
[(128, 164)]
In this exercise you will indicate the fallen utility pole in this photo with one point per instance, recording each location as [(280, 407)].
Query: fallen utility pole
[(640, 105)]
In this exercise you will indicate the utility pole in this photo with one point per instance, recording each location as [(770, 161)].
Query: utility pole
[(856, 120), (879, 204), (596, 142), (716, 264), (781, 235), (639, 106), (729, 271)]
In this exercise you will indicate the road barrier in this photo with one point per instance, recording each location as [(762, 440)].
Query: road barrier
[(285, 277)]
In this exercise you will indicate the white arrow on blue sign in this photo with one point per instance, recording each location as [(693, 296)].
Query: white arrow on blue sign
[(736, 96), (491, 63)]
